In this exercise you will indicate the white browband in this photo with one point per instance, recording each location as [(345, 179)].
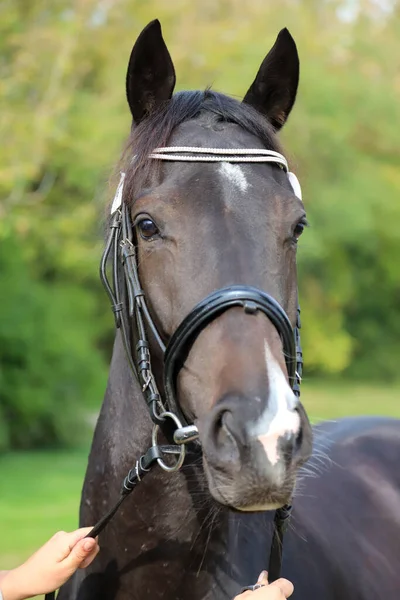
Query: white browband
[(219, 155), (195, 154)]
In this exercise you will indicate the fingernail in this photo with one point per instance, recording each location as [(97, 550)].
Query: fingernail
[(88, 545), (263, 575)]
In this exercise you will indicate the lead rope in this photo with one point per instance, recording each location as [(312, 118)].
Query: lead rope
[(143, 466)]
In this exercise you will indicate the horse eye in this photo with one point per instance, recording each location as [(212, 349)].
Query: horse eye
[(298, 230), (147, 229)]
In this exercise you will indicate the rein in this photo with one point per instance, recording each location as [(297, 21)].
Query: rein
[(129, 306)]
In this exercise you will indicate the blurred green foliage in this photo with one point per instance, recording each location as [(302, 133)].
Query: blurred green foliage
[(63, 121), (47, 334)]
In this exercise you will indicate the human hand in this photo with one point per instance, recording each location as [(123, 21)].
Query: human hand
[(51, 566), (278, 590)]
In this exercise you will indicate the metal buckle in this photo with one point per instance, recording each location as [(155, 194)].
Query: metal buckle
[(182, 450)]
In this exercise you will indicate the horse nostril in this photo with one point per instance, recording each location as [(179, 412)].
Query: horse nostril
[(222, 426), (227, 435), (299, 439), (219, 420)]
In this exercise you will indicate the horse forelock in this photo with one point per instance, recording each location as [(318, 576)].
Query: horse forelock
[(156, 131)]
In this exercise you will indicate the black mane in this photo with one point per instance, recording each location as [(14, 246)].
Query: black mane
[(155, 130)]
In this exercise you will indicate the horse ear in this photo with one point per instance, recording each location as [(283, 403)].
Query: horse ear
[(274, 89), (150, 79)]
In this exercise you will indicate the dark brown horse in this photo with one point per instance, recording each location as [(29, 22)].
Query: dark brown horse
[(205, 531)]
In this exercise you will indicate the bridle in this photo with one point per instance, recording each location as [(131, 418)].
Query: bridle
[(133, 319), (121, 246)]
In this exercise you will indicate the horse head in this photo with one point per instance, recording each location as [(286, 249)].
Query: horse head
[(203, 223)]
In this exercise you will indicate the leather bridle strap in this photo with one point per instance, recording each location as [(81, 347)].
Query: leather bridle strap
[(120, 247)]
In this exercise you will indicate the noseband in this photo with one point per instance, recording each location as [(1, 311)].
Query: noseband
[(251, 300), (133, 318)]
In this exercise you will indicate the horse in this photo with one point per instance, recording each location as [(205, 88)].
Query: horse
[(215, 220)]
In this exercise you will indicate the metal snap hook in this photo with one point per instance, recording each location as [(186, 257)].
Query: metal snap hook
[(252, 588), (184, 435), (182, 450)]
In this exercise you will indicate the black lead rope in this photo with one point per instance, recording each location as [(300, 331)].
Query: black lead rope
[(281, 521), (135, 476)]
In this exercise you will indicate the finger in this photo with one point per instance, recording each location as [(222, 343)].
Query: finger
[(263, 578), (79, 553), (243, 595), (89, 559), (74, 536), (64, 542), (59, 535), (284, 585)]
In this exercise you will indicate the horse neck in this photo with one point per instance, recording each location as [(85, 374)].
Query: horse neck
[(171, 515)]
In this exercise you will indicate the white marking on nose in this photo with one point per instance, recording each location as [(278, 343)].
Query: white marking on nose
[(235, 175), (279, 418)]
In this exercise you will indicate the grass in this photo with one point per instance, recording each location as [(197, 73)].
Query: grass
[(39, 495), (332, 400), (40, 492)]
